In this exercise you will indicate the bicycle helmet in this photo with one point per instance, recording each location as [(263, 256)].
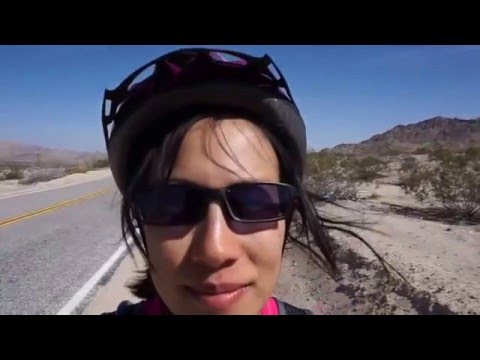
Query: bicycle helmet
[(195, 77)]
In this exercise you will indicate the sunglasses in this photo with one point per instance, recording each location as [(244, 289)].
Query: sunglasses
[(186, 67), (187, 204)]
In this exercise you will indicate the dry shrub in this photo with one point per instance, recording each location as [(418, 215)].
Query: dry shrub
[(452, 180)]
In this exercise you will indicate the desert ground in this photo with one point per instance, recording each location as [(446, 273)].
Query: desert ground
[(440, 261)]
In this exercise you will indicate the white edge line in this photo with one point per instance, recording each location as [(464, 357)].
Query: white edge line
[(81, 294)]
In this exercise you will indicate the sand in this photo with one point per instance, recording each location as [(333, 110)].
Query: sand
[(442, 263)]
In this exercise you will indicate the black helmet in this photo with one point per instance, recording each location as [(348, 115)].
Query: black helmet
[(195, 77)]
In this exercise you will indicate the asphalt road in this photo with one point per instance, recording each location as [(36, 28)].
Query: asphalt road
[(46, 258)]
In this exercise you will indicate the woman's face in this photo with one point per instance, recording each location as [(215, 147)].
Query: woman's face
[(218, 266)]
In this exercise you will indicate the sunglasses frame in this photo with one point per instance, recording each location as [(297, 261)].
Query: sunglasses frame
[(220, 196)]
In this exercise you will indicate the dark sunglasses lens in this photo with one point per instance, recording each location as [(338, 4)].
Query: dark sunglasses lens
[(170, 205), (259, 202)]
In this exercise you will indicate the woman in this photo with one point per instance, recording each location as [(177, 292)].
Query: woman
[(209, 155)]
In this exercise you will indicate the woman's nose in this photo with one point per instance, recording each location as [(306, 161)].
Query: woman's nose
[(214, 243)]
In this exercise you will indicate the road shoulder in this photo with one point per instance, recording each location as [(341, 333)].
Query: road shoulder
[(11, 188), (115, 290)]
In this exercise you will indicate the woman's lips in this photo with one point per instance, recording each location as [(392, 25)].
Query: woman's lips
[(218, 296)]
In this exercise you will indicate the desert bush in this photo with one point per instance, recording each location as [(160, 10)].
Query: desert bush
[(345, 167), (390, 152), (83, 166), (453, 181), (12, 174), (423, 150), (473, 154), (371, 161), (327, 177), (337, 176), (37, 175), (329, 188), (365, 169), (322, 162), (442, 154), (100, 164), (347, 162), (407, 164), (79, 169)]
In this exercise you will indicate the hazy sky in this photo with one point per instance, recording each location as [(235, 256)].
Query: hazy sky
[(51, 95)]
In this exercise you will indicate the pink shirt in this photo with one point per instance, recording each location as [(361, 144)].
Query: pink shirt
[(155, 306)]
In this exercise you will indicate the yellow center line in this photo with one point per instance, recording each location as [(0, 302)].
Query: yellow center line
[(57, 206)]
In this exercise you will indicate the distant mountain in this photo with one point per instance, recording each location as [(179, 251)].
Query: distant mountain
[(16, 152), (449, 132)]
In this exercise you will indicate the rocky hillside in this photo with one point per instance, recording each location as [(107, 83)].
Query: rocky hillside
[(449, 132)]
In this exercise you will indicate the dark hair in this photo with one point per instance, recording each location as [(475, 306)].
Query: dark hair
[(151, 161)]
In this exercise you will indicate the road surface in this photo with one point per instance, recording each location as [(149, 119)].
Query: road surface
[(52, 242)]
